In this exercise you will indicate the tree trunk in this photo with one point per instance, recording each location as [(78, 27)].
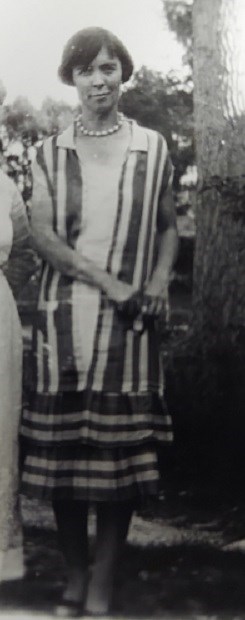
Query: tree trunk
[(207, 378), (219, 104), (208, 389)]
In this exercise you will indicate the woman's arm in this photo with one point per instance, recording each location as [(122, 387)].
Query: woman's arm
[(157, 287), (55, 250), (167, 239)]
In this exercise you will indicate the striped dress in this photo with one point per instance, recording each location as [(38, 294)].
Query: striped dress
[(96, 411)]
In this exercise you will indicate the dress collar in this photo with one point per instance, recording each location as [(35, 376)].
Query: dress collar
[(139, 141)]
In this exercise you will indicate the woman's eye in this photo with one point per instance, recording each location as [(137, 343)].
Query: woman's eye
[(88, 70), (108, 68), (84, 71)]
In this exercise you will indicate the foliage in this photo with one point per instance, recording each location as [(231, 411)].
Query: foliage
[(20, 117), (3, 92), (166, 105), (54, 116), (179, 18)]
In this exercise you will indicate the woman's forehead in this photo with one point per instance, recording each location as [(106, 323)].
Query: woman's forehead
[(103, 55), (105, 52)]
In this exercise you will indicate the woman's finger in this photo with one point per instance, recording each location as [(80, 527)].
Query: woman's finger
[(144, 308), (149, 306), (160, 306)]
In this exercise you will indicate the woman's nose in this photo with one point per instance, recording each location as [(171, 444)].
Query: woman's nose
[(98, 79)]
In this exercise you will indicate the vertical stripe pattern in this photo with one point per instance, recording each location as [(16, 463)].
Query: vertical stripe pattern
[(93, 372)]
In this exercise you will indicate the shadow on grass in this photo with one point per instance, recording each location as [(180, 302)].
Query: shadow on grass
[(180, 581)]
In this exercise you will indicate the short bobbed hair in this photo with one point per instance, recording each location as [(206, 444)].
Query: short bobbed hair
[(84, 46)]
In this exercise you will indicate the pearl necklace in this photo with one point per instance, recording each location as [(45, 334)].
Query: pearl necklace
[(99, 134)]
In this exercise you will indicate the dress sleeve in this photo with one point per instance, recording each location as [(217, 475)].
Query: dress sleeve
[(167, 177), (42, 208), (166, 213), (40, 184)]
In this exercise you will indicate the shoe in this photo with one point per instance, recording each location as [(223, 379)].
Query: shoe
[(68, 609)]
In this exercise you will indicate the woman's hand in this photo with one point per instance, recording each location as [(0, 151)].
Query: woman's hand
[(155, 300), (127, 301), (119, 292)]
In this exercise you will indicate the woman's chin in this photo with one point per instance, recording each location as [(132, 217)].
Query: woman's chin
[(102, 106)]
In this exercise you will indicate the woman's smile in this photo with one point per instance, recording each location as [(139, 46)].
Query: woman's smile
[(99, 95)]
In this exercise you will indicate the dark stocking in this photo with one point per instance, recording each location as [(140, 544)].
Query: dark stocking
[(112, 527), (71, 518)]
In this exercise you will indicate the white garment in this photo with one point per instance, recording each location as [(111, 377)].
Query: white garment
[(100, 195), (11, 551)]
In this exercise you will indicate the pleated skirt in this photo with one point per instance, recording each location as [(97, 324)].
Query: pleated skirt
[(81, 472)]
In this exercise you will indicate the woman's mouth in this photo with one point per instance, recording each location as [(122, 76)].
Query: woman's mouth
[(100, 95)]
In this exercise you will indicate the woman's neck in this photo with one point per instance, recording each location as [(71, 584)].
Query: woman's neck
[(99, 122)]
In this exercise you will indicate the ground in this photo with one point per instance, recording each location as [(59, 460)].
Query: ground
[(184, 560)]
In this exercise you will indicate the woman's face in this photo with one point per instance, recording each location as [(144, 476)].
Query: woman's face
[(98, 85)]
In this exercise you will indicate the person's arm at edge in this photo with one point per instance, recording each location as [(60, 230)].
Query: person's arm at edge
[(22, 261)]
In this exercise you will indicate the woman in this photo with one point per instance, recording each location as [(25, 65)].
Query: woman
[(96, 414), (14, 234)]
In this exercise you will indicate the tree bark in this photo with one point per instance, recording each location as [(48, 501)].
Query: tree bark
[(207, 378), (219, 107)]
